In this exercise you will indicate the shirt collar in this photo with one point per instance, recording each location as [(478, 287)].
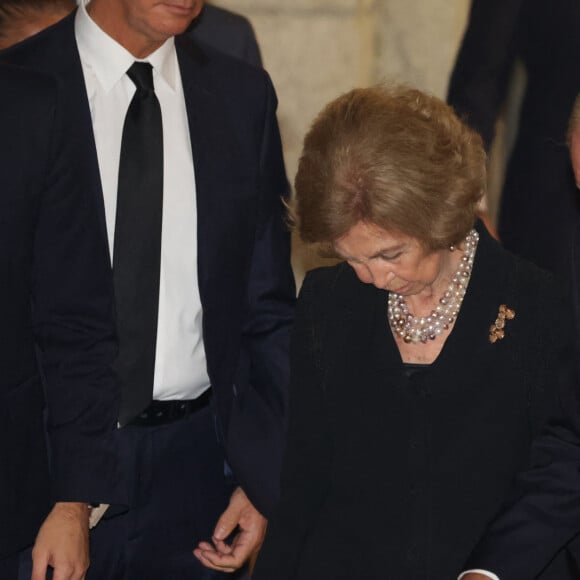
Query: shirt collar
[(109, 60)]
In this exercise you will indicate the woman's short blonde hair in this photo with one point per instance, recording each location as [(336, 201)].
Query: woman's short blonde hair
[(393, 157)]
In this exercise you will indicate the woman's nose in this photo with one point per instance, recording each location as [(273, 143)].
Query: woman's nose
[(381, 276), (371, 273)]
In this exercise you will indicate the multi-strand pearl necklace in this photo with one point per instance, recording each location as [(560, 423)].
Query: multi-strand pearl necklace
[(421, 329)]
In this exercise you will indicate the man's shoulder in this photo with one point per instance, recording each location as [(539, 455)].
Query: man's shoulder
[(241, 83), (205, 55), (23, 89), (20, 79), (49, 49), (227, 31), (215, 19)]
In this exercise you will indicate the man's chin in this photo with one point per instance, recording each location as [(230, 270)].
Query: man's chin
[(171, 25), (182, 13)]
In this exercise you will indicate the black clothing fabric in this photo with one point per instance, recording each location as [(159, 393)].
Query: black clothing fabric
[(394, 476), (539, 203), (412, 369), (155, 539), (228, 32), (9, 567)]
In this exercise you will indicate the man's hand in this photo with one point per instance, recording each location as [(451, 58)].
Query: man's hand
[(246, 543), (63, 543)]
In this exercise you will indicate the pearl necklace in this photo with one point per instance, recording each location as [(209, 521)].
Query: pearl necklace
[(420, 329)]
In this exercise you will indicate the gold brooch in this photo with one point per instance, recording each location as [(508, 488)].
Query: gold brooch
[(497, 329)]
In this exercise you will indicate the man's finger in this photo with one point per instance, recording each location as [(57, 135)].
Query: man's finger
[(39, 565), (65, 572), (227, 523), (213, 560)]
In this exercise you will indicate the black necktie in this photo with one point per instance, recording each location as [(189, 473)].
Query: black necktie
[(137, 246)]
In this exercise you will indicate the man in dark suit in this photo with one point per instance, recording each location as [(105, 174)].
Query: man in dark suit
[(56, 308), (228, 32), (202, 278), (539, 204)]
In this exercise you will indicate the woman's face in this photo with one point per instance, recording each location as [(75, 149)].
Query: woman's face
[(391, 261)]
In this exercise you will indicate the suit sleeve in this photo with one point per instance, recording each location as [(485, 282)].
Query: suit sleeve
[(308, 456), (74, 331), (543, 512), (480, 78), (258, 423)]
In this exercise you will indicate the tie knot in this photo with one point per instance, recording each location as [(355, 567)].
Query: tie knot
[(141, 73)]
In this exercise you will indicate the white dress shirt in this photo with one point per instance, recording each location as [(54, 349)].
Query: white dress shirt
[(484, 572), (180, 361)]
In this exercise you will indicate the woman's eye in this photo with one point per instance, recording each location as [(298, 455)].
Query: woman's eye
[(389, 258)]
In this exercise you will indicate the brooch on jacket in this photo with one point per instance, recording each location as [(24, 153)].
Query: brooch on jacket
[(497, 329)]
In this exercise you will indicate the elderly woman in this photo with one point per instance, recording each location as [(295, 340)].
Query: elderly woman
[(422, 364)]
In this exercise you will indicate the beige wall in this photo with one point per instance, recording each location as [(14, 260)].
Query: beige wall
[(317, 49)]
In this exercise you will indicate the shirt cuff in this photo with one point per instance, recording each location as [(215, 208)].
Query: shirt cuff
[(484, 572), (96, 512)]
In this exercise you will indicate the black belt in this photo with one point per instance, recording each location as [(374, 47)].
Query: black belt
[(160, 412)]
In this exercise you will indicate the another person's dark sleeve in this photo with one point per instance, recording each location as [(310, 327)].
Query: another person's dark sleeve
[(257, 424), (306, 468), (480, 78), (74, 329)]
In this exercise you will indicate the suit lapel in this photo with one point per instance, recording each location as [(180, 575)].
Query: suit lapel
[(65, 61), (201, 113), (226, 194)]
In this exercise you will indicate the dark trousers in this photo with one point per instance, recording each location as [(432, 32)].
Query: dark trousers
[(19, 566), (9, 567), (177, 491)]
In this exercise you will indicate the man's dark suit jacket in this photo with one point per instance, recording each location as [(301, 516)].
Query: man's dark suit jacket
[(228, 32), (56, 307), (539, 205), (245, 280)]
